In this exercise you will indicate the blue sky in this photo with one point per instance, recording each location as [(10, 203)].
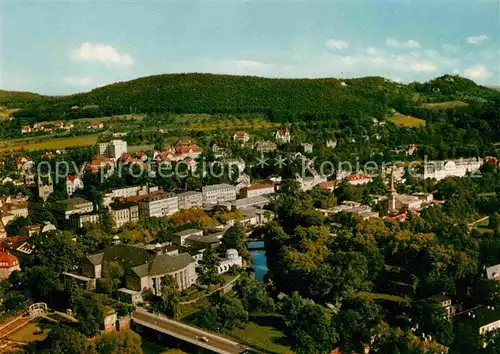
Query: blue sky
[(59, 48)]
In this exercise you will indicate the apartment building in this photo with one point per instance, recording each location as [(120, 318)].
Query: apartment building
[(79, 220), (191, 199), (158, 204), (257, 189), (123, 214), (218, 193), (113, 149)]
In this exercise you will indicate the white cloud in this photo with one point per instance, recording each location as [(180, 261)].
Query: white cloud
[(336, 44), (104, 53), (409, 44), (477, 39), (423, 66), (78, 81), (478, 72)]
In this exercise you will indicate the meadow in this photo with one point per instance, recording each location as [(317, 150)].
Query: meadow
[(404, 120)]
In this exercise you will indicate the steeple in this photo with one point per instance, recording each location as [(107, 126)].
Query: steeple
[(391, 198)]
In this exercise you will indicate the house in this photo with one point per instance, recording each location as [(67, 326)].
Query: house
[(101, 162), (485, 319), (257, 189), (493, 272), (8, 264), (145, 269), (231, 259), (328, 185), (265, 146), (447, 304), (26, 129), (73, 183), (331, 144), (58, 124), (179, 238), (307, 147), (217, 193), (24, 162), (96, 125), (47, 130), (412, 149), (191, 199), (109, 319), (356, 180), (282, 136), (241, 137), (307, 183)]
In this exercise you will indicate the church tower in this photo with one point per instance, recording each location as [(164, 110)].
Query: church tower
[(45, 188), (391, 198)]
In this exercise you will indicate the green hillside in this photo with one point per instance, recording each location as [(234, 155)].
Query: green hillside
[(281, 100)]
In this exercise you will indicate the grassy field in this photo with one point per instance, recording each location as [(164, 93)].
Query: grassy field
[(409, 121), (262, 333), (48, 144), (379, 296), (27, 333), (444, 105), (100, 119)]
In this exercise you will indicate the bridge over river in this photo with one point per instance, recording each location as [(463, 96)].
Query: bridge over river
[(186, 333)]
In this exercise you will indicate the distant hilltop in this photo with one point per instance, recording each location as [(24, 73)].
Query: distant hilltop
[(210, 93)]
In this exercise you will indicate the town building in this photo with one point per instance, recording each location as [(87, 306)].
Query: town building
[(282, 136), (147, 267), (63, 209), (232, 259), (218, 193), (447, 304), (255, 201), (257, 189), (156, 204), (8, 264), (331, 144), (265, 146), (179, 238), (73, 183), (113, 149), (493, 272), (448, 168), (191, 199), (79, 220), (45, 187), (357, 180), (131, 191), (241, 137), (123, 213), (197, 241), (308, 183), (307, 147)]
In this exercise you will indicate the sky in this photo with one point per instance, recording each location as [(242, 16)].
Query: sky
[(56, 47)]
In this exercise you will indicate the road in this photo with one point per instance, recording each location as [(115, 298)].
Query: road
[(187, 333), (13, 325)]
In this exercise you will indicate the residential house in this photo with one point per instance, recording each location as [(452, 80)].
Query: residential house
[(156, 204), (282, 136), (493, 272), (307, 147), (191, 199), (357, 180), (73, 183), (8, 264), (265, 146), (308, 183), (331, 144), (26, 129), (241, 137)]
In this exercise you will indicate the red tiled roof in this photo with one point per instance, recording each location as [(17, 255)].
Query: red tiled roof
[(357, 177), (257, 186), (328, 184), (240, 133), (282, 131), (71, 178), (8, 258)]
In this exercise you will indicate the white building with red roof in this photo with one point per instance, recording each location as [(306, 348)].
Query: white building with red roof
[(356, 180), (241, 137), (73, 183), (283, 136), (26, 129), (8, 264), (257, 189)]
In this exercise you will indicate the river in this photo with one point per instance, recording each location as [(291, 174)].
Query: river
[(258, 259)]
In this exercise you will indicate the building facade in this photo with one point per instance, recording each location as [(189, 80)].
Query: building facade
[(218, 193), (188, 200)]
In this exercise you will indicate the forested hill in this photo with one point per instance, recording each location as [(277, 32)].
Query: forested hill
[(281, 99)]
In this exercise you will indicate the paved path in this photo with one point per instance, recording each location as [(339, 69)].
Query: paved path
[(13, 325), (215, 343)]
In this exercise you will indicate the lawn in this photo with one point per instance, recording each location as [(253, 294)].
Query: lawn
[(444, 105), (27, 333), (50, 144), (100, 119), (380, 296), (262, 333), (409, 121)]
